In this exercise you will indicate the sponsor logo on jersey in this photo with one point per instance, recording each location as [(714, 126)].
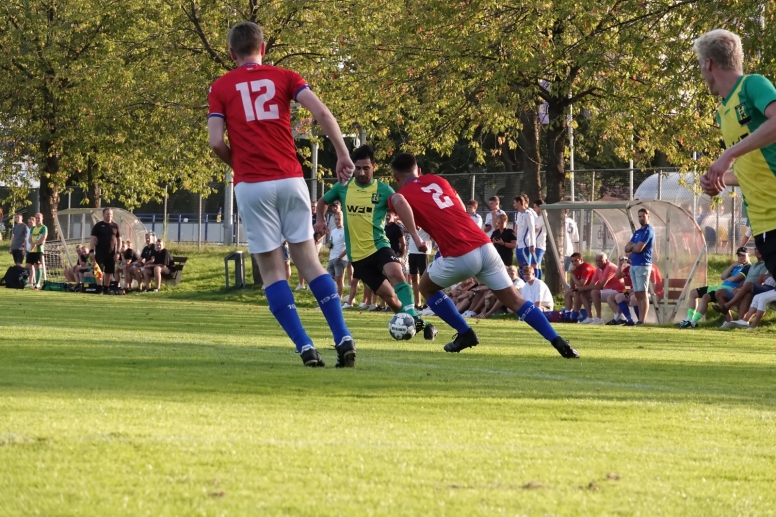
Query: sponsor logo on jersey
[(360, 209)]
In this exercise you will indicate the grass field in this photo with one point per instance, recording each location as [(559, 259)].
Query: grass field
[(192, 402)]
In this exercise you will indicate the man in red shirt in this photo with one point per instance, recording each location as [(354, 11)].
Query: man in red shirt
[(582, 274), (604, 284), (252, 103), (465, 252)]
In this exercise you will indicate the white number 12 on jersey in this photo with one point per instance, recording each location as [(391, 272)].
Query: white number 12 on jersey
[(262, 110), (440, 199)]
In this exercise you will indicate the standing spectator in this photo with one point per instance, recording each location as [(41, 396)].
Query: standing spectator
[(570, 237), (471, 209), (503, 239), (581, 275), (525, 230), (334, 210), (418, 262), (640, 249), (605, 283), (18, 239), (494, 203), (338, 257), (37, 240), (104, 244), (159, 265), (541, 237)]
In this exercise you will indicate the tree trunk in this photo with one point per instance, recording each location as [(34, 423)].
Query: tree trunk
[(556, 189), (532, 163), (95, 199), (49, 190)]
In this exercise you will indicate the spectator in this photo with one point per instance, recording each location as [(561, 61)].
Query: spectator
[(338, 257), (159, 265), (18, 239), (418, 261), (570, 238), (335, 209), (36, 243), (490, 304), (756, 311), (581, 275), (395, 233), (732, 277), (104, 245), (621, 302), (128, 260), (503, 239), (536, 290), (471, 209), (494, 203), (541, 237), (525, 232), (145, 256), (72, 274), (604, 284), (757, 281), (640, 247), (746, 237)]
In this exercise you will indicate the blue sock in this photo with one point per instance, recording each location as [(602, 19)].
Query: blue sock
[(283, 307), (532, 315), (625, 310), (574, 315), (538, 273), (636, 310), (445, 309), (583, 314), (325, 291)]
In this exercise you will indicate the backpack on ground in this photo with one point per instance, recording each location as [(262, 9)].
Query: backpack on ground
[(15, 278)]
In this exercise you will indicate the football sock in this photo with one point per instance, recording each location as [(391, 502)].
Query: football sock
[(283, 307), (690, 314), (538, 273), (325, 291), (625, 310), (404, 294), (445, 309), (697, 317), (636, 311), (583, 314), (574, 315), (532, 315)]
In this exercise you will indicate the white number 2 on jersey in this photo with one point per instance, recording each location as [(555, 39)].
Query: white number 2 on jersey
[(259, 109), (440, 199)]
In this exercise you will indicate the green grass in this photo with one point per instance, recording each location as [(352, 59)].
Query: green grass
[(180, 404)]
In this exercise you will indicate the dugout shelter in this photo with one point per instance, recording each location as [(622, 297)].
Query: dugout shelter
[(679, 251)]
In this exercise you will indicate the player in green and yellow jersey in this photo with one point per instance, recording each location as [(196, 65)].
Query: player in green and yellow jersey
[(365, 204), (747, 118)]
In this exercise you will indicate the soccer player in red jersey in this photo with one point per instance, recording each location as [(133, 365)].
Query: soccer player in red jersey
[(465, 252), (252, 103)]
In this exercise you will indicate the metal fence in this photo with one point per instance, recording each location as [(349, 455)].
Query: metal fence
[(187, 217)]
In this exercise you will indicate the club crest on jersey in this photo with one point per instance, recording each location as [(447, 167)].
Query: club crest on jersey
[(741, 114), (375, 198)]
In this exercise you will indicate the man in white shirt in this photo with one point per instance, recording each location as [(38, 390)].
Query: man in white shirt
[(338, 257), (494, 204), (535, 290), (541, 237), (571, 237), (525, 230), (471, 209)]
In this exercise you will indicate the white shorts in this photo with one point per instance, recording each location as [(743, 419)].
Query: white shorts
[(760, 301), (606, 293), (274, 211), (484, 264)]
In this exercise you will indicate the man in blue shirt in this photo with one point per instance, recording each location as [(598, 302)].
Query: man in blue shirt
[(640, 247), (732, 278)]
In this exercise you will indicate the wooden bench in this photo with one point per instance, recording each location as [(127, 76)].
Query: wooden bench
[(173, 278)]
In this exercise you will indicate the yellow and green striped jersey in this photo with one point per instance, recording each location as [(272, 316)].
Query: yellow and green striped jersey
[(364, 209), (739, 114)]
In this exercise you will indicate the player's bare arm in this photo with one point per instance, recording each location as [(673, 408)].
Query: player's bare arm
[(404, 211), (331, 128), (216, 127), (320, 216), (762, 136)]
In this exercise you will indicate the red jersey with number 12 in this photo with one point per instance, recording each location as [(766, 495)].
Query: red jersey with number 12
[(255, 100), (437, 210)]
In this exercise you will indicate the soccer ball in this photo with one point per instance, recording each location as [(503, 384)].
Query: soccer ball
[(402, 326)]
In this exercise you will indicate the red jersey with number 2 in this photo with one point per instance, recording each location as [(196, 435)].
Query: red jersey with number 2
[(255, 101), (437, 210)]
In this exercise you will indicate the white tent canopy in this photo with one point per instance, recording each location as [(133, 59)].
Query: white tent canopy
[(679, 250)]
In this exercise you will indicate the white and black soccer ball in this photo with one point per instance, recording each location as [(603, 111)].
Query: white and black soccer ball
[(402, 326)]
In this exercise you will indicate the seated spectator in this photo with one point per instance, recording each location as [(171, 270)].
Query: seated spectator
[(72, 274), (487, 305), (621, 302), (126, 265), (757, 281), (158, 265), (604, 284), (145, 256), (338, 257), (503, 239), (732, 278), (91, 273), (756, 311), (581, 275)]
